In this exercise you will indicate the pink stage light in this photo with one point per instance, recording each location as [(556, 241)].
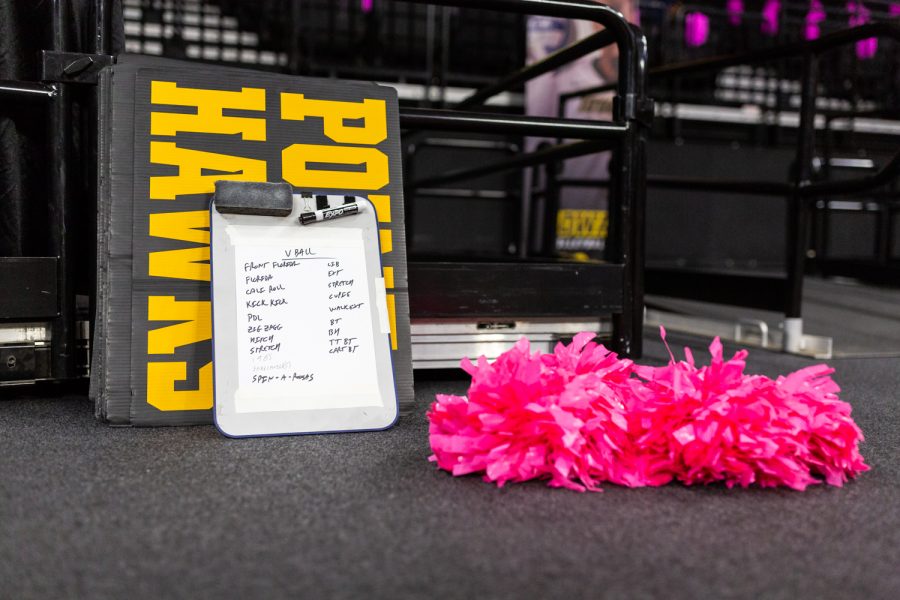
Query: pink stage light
[(735, 11), (696, 29), (770, 14), (815, 16), (859, 15)]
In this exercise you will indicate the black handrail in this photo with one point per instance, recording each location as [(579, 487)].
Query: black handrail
[(60, 201), (436, 119), (792, 50), (626, 132), (594, 42), (807, 189), (545, 155), (27, 90), (630, 43), (884, 176), (801, 189), (763, 188), (804, 189)]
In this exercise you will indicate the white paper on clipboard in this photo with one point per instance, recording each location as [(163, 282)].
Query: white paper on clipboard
[(299, 325)]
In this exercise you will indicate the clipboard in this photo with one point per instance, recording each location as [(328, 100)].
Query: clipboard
[(301, 335)]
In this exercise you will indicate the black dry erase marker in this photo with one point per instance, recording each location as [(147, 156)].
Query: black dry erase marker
[(330, 213)]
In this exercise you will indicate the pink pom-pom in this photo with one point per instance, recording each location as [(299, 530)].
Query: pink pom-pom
[(578, 417), (532, 416), (716, 423)]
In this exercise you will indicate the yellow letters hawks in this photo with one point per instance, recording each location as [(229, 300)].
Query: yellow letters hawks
[(357, 145)]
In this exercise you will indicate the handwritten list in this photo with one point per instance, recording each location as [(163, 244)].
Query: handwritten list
[(304, 321)]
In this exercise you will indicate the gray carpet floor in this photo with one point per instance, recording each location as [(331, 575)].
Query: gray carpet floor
[(90, 511)]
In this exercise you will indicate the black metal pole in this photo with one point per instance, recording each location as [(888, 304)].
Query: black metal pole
[(91, 172), (27, 91), (763, 188), (430, 16), (628, 170), (626, 133), (294, 28), (571, 9), (559, 152), (615, 252), (703, 65), (101, 27), (526, 212), (448, 120), (444, 71), (636, 266), (883, 233), (59, 219), (551, 209), (561, 57), (409, 204), (884, 176), (798, 213)]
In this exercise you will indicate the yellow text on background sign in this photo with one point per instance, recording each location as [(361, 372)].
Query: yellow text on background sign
[(582, 224), (188, 322)]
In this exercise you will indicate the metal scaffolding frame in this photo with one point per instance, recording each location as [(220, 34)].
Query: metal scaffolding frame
[(784, 294), (556, 289)]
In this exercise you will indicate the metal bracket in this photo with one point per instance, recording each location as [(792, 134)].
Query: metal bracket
[(761, 327), (74, 67), (645, 111), (814, 346), (633, 109)]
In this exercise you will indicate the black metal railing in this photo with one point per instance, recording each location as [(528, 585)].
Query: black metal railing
[(69, 184), (615, 287), (386, 39), (625, 134), (800, 193), (440, 46)]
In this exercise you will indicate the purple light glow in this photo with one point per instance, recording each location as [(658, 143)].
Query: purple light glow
[(859, 15), (735, 11), (815, 16), (770, 14), (696, 29)]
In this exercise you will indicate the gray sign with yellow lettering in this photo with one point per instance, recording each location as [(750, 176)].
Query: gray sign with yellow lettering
[(169, 130)]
